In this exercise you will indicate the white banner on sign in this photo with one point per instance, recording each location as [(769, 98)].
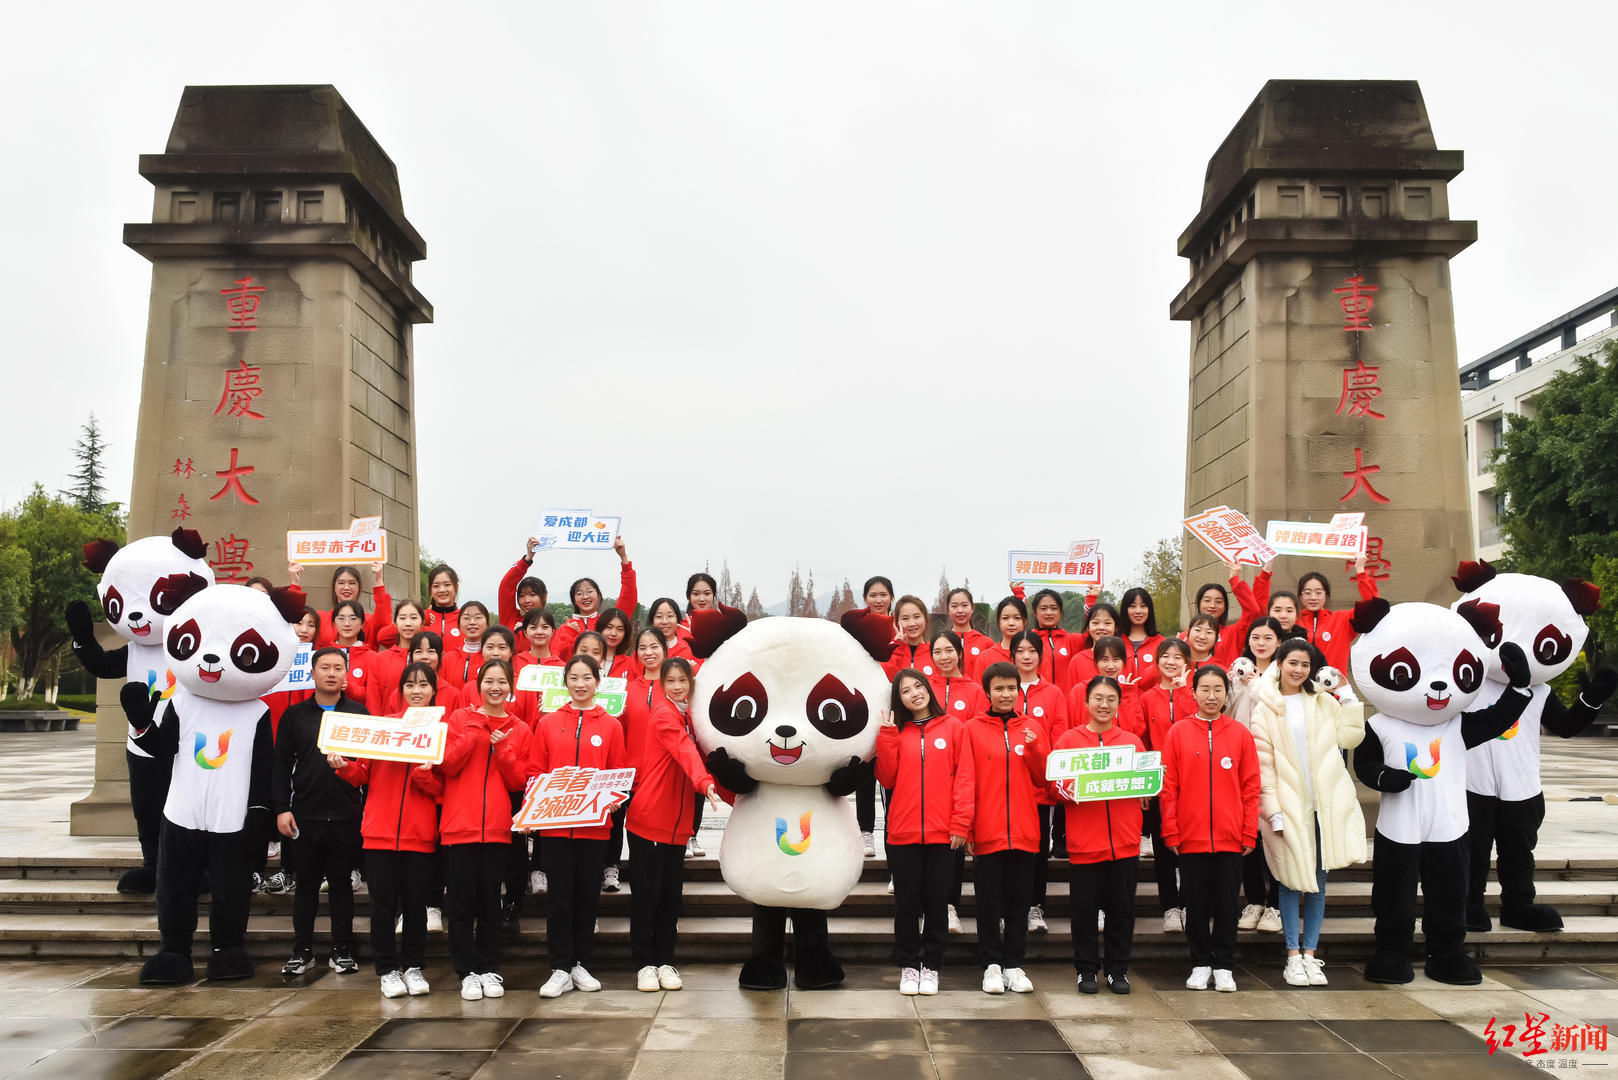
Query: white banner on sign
[(573, 797), (382, 738), (575, 530), (1312, 539), (300, 676), (330, 547), (1229, 535), (1052, 569)]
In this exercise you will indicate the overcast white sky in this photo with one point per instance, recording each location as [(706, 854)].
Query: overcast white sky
[(866, 286)]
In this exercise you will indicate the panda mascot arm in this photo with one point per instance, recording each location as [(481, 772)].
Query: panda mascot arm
[(1479, 727), (1370, 767), (1566, 721), (259, 779), (96, 660), (156, 726)]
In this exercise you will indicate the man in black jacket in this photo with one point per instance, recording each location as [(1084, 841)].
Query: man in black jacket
[(320, 812)]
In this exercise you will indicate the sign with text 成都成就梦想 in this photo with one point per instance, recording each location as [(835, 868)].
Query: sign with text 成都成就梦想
[(1096, 773), (575, 530), (1229, 535), (384, 738), (573, 797), (1341, 537), (1078, 568), (548, 682)]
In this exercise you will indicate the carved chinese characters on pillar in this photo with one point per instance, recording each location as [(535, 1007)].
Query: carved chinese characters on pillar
[(242, 301), (1360, 391), (241, 390), (229, 561)]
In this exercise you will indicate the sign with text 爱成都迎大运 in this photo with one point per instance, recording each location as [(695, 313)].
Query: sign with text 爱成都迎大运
[(575, 530)]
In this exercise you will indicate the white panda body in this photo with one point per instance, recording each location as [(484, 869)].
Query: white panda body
[(208, 790), (1432, 808), (766, 857)]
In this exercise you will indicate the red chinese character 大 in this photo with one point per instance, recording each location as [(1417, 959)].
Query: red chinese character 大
[(233, 481), (181, 511), (184, 468), (241, 389), (243, 304), (1356, 300), (1361, 475), (1533, 1034), (1360, 389), (230, 565)]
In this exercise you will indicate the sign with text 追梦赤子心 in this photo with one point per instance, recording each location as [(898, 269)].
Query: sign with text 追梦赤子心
[(384, 738)]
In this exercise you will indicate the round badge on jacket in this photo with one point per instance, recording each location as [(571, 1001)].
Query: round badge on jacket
[(595, 740), (1146, 657), (1039, 710), (1225, 763), (939, 744), (358, 673), (1017, 749), (1325, 635)]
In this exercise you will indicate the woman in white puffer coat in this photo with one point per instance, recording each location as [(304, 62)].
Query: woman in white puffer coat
[(1309, 815)]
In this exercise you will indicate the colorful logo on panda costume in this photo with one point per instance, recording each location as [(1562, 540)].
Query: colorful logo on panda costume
[(1510, 732), (152, 689), (202, 757), (1417, 770), (787, 846)]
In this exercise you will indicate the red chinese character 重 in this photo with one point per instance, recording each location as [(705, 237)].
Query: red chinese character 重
[(1361, 475), (1360, 390), (1356, 302), (242, 301), (230, 565), (241, 389), (233, 481)]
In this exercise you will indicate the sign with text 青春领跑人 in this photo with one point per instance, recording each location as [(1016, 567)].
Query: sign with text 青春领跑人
[(548, 682), (1229, 535), (1342, 536), (573, 797), (417, 737), (575, 530), (1095, 773), (1078, 568)]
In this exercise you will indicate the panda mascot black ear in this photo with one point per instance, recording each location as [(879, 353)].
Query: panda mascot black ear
[(1584, 596), (712, 627), (1483, 617), (1473, 575), (289, 601), (98, 553), (190, 543), (1367, 613), (874, 632)]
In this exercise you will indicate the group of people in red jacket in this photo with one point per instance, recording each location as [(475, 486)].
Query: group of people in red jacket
[(960, 758)]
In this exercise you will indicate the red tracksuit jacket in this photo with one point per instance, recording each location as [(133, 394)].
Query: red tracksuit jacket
[(669, 774), (446, 624), (1043, 702), (1102, 830), (1142, 659), (401, 804), (975, 643), (1162, 710), (1210, 787), (1329, 631), (905, 655), (929, 769), (574, 625), (378, 620), (1129, 717), (1008, 777), (589, 738), (961, 698), (479, 778)]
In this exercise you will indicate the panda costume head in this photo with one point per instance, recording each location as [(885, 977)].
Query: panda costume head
[(1421, 663), (144, 583), (1545, 618), (232, 642)]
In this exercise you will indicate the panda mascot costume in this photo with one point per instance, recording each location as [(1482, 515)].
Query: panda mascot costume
[(1420, 666), (787, 711), (1504, 800), (141, 586), (228, 646)]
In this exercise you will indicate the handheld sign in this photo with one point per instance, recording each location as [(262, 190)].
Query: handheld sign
[(1313, 539), (548, 682), (331, 547), (418, 740), (572, 797), (1229, 535), (1057, 569), (575, 530), (1093, 774), (300, 676)]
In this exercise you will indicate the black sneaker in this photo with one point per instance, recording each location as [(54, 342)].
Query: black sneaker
[(1087, 983), (301, 961), (342, 960), (1118, 984)]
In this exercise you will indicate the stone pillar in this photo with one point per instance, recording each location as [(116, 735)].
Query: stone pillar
[(278, 388), (1323, 363)]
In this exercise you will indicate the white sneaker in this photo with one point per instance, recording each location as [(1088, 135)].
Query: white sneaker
[(868, 842), (994, 980), (493, 985), (890, 886), (954, 924), (537, 884), (1036, 921), (1101, 920), (583, 980), (393, 985), (356, 882), (646, 980), (609, 879), (1224, 981), (1295, 973), (929, 982), (1250, 917), (1270, 921), (909, 982), (472, 988), (415, 982), (668, 977), (1173, 921), (1313, 965), (558, 984), (693, 847), (274, 850), (1018, 982), (1199, 978), (435, 920)]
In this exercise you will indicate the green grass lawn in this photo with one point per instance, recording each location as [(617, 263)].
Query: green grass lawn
[(76, 702)]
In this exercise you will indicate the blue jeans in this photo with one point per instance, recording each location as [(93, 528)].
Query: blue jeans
[(1313, 905)]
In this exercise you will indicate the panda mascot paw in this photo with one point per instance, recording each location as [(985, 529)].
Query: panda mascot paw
[(1455, 968), (763, 973), (816, 969), (138, 881), (1389, 967), (1539, 917), (1477, 919), (233, 963), (167, 969)]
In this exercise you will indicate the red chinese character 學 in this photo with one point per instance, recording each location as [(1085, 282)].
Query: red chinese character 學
[(181, 511), (1533, 1034), (184, 468), (1360, 474), (233, 481), (243, 304), (230, 565), (1356, 302), (1375, 564), (1360, 389), (241, 389)]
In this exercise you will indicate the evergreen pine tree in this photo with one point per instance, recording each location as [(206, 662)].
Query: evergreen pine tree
[(811, 610), (755, 609), (87, 491)]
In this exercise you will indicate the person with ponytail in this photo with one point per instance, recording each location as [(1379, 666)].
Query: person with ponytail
[(588, 603), (443, 607), (520, 591), (974, 642), (1042, 701), (382, 686), (345, 585), (910, 619), (664, 616), (1139, 631), (1163, 706), (1214, 599)]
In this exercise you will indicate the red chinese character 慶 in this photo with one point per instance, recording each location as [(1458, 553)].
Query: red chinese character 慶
[(241, 388), (233, 481), (1361, 474), (1356, 302), (243, 304), (181, 511), (230, 565), (184, 468), (1360, 389)]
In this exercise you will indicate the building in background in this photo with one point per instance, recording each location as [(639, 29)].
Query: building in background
[(1504, 383)]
